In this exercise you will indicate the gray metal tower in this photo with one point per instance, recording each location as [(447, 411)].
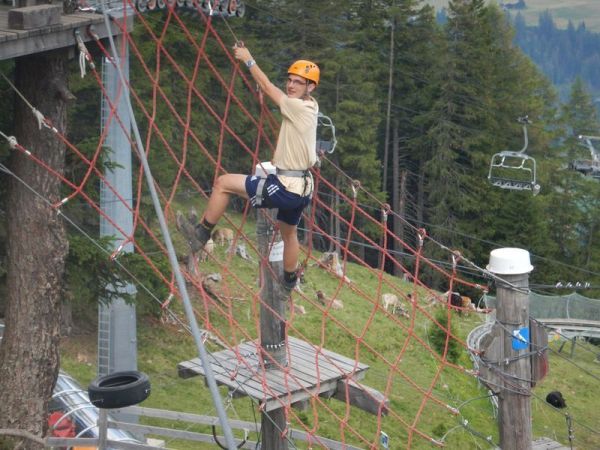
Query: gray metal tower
[(117, 342)]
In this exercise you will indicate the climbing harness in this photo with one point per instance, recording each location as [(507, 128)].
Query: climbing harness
[(260, 188), (514, 169), (292, 173), (259, 192)]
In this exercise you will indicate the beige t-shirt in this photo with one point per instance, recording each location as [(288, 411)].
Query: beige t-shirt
[(297, 142)]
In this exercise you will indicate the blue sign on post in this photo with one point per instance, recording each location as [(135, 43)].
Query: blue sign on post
[(385, 440), (520, 339)]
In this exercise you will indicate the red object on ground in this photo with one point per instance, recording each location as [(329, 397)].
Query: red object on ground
[(61, 428)]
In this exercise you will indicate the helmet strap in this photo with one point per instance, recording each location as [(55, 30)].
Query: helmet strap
[(306, 94)]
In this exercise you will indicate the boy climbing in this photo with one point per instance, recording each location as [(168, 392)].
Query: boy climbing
[(290, 189)]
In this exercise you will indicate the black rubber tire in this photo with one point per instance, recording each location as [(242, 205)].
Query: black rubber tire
[(119, 389)]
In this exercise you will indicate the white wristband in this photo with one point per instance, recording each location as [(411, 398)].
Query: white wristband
[(250, 63)]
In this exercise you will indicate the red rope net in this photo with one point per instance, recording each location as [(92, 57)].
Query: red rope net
[(184, 101)]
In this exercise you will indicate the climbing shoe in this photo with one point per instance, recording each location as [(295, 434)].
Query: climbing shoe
[(196, 235)]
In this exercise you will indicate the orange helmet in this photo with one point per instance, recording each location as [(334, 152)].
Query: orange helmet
[(305, 69)]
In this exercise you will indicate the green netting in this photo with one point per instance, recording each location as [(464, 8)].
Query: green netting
[(572, 306)]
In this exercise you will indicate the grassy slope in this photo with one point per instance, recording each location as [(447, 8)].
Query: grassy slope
[(162, 346), (562, 11)]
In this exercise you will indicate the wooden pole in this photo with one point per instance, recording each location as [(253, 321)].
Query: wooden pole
[(272, 327), (513, 366)]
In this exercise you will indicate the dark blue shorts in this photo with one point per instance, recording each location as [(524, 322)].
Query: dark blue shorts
[(290, 205)]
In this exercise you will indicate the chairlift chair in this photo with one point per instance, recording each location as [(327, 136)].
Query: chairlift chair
[(588, 167), (225, 8), (326, 140), (515, 170)]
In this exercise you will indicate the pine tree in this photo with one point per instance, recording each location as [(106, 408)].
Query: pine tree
[(574, 226), (580, 117), (474, 117)]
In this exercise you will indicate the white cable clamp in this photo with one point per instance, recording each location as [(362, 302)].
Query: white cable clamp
[(12, 142), (39, 117)]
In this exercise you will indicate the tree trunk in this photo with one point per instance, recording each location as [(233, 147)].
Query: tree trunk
[(36, 250), (336, 227), (399, 224), (590, 241), (421, 194), (388, 115), (396, 194)]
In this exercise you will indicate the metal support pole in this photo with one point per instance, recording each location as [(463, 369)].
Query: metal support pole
[(512, 335), (117, 340), (102, 428), (189, 311)]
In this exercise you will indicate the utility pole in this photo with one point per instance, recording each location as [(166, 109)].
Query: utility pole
[(508, 355), (272, 311)]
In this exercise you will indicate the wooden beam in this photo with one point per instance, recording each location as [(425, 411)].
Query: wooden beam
[(362, 397), (31, 17)]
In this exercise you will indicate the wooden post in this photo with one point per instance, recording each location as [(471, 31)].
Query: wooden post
[(272, 327), (513, 365)]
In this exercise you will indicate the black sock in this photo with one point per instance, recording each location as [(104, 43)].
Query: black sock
[(204, 231), (207, 225), (290, 277)]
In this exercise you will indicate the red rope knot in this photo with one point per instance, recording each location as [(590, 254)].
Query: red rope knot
[(60, 203), (355, 187), (421, 234), (285, 432), (456, 257), (167, 302), (261, 96), (118, 250), (210, 9), (484, 289), (385, 211), (91, 31)]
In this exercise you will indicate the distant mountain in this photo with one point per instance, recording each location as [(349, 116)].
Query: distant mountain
[(562, 54), (563, 11)]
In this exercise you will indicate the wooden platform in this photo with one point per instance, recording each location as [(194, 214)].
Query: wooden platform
[(308, 373), (15, 43)]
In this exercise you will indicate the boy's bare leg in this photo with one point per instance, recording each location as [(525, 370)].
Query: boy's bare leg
[(291, 251), (291, 246), (225, 186)]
